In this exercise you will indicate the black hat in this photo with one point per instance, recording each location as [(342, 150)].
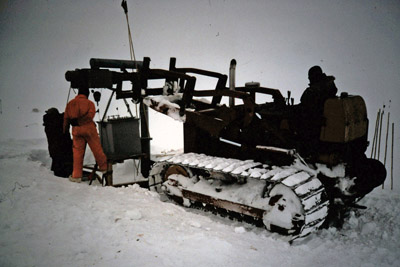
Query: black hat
[(52, 111), (315, 73)]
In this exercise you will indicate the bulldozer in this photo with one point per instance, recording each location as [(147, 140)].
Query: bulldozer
[(273, 163)]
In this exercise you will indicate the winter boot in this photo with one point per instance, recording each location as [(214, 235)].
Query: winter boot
[(75, 180)]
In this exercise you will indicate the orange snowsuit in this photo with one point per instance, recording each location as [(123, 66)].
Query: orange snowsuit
[(82, 109)]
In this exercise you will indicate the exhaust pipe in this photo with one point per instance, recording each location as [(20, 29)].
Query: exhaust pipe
[(232, 70)]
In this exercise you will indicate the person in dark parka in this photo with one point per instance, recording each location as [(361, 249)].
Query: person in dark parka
[(59, 143), (321, 87)]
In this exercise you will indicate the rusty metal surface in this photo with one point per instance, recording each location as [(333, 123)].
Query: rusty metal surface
[(175, 169), (346, 119), (224, 204)]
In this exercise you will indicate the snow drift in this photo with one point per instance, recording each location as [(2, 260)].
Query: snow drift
[(49, 221)]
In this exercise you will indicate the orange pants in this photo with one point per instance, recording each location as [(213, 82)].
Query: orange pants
[(86, 134)]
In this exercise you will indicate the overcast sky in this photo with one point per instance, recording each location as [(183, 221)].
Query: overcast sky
[(274, 43)]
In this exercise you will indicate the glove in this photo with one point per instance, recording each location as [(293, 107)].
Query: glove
[(74, 122)]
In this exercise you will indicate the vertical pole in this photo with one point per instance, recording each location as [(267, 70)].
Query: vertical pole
[(145, 139), (380, 132), (391, 167), (374, 139), (387, 136), (386, 144), (376, 132), (232, 85), (109, 177)]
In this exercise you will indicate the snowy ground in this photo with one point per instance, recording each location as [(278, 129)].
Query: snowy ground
[(49, 221)]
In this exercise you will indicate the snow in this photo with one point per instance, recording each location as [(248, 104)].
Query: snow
[(346, 184), (167, 105), (49, 221), (296, 179), (304, 188), (311, 201), (279, 173), (335, 171), (248, 194), (240, 230), (284, 217)]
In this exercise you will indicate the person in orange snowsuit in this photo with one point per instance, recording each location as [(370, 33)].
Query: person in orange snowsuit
[(79, 113)]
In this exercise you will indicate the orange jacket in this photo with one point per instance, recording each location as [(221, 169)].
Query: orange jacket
[(80, 108)]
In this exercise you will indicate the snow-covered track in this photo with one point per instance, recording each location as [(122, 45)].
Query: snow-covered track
[(288, 199)]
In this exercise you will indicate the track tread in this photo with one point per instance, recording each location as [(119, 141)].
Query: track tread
[(306, 186)]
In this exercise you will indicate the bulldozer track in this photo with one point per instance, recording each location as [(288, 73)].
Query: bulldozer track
[(305, 186)]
